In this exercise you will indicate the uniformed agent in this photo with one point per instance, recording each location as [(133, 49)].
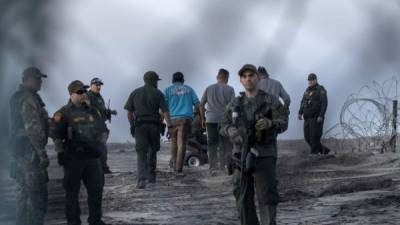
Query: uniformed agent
[(143, 106), (78, 131), (252, 121), (29, 132), (96, 100), (312, 109)]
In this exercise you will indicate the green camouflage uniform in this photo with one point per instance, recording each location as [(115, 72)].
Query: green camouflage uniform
[(263, 177), (29, 127)]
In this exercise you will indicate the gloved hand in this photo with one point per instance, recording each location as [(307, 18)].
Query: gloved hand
[(44, 161), (300, 117), (61, 158), (263, 124), (320, 119), (132, 129), (234, 136)]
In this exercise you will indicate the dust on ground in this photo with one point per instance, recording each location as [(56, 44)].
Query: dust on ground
[(344, 188)]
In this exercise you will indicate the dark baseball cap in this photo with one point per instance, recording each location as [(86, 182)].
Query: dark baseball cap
[(249, 67), (33, 72), (312, 76), (96, 81), (77, 85), (151, 76), (262, 71)]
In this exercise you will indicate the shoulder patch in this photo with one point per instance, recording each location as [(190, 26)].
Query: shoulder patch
[(57, 116), (323, 92)]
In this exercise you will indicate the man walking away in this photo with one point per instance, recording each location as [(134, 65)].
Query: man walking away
[(217, 96), (181, 99)]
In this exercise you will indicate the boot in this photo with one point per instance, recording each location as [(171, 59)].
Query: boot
[(265, 215), (272, 214), (268, 215), (141, 184)]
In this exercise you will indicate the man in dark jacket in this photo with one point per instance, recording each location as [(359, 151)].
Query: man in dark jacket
[(312, 109)]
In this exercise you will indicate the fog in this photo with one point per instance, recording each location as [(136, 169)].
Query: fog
[(346, 43)]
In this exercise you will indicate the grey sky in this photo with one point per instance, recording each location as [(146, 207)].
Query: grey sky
[(346, 43)]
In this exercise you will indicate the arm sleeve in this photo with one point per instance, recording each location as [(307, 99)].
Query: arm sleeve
[(280, 117), (284, 95), (302, 105), (324, 102), (35, 127), (129, 103)]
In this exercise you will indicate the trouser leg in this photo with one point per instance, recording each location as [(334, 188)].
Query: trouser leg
[(243, 190), (93, 179), (73, 171), (212, 145), (174, 144), (38, 196), (142, 148), (225, 150), (182, 139), (266, 189), (315, 135)]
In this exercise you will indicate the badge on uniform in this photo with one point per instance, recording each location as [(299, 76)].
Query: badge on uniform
[(91, 119)]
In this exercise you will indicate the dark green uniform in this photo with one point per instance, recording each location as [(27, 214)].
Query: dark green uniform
[(313, 105), (80, 128), (263, 176), (146, 102), (97, 101), (29, 127)]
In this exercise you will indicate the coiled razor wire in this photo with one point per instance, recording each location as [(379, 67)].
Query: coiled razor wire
[(365, 121)]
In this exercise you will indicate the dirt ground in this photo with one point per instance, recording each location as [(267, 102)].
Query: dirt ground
[(342, 188)]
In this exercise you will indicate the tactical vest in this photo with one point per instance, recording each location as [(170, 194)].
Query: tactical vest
[(83, 134), (312, 103), (18, 140), (250, 112)]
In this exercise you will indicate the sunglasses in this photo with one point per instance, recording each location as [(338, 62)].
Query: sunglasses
[(80, 92)]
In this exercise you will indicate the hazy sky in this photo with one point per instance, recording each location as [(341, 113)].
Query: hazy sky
[(346, 43)]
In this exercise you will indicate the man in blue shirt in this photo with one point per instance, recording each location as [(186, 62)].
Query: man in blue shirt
[(180, 99)]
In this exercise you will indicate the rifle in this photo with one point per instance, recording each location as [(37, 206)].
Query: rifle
[(109, 111)]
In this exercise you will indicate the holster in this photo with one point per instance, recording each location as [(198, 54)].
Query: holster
[(251, 161)]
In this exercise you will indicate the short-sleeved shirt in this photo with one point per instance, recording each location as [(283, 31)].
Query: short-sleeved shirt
[(181, 99), (275, 88), (145, 102), (217, 97)]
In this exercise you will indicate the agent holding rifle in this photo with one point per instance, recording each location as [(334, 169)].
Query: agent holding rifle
[(252, 121), (97, 101)]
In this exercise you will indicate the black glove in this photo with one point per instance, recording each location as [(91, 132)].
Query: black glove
[(61, 158), (133, 131)]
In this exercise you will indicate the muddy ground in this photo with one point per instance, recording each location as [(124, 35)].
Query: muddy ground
[(342, 188)]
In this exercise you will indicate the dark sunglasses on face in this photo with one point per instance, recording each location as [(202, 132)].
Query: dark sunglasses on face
[(80, 92), (248, 75)]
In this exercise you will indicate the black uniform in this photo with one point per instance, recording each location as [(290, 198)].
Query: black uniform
[(314, 105), (97, 101), (80, 129), (146, 102)]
